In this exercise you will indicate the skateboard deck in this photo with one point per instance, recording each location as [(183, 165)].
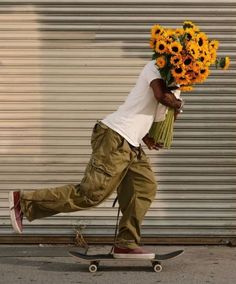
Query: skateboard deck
[(94, 259)]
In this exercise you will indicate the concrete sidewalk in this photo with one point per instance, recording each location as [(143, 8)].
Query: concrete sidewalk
[(52, 264)]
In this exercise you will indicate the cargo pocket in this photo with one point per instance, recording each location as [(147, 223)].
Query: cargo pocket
[(104, 175), (96, 183)]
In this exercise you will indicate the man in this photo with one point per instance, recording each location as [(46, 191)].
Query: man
[(118, 162)]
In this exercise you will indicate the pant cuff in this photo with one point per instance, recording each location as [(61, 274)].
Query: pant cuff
[(126, 243)]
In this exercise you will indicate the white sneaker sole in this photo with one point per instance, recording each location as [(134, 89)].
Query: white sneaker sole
[(12, 214), (134, 256)]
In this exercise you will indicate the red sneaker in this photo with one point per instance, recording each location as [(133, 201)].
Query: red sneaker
[(15, 211), (138, 253)]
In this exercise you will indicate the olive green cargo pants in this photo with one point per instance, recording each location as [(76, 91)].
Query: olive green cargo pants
[(114, 165)]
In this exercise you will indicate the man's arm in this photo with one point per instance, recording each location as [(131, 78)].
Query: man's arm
[(163, 95)]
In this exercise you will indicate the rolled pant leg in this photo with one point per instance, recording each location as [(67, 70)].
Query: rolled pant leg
[(107, 166), (135, 195)]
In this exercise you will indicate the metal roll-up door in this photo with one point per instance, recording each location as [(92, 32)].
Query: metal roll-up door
[(65, 64)]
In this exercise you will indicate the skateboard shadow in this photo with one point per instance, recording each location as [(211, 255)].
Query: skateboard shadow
[(69, 266)]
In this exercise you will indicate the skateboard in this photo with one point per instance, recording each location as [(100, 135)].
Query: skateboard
[(94, 259)]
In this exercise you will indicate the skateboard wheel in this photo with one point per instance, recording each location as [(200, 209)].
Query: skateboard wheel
[(157, 267), (93, 268)]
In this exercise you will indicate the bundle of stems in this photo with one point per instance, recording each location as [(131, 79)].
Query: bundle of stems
[(162, 131)]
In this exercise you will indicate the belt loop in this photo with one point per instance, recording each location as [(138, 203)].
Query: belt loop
[(137, 150)]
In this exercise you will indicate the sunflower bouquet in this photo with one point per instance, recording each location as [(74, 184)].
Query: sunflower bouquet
[(183, 57)]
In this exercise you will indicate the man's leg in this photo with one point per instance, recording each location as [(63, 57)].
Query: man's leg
[(104, 172), (135, 195)]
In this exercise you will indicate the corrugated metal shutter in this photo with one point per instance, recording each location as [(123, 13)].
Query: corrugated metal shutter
[(65, 64)]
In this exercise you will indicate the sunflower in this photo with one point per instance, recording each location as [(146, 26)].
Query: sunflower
[(227, 62), (175, 47), (169, 36), (201, 39), (169, 40), (192, 49), (179, 32), (213, 44), (203, 58), (170, 32), (224, 62), (161, 61), (187, 61), (189, 34), (177, 72), (186, 88), (192, 77), (182, 81), (156, 30), (196, 66), (189, 24), (203, 74), (176, 60), (160, 46)]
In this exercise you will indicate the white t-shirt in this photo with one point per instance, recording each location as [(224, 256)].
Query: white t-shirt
[(134, 117)]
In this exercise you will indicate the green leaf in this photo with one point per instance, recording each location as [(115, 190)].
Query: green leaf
[(154, 56), (163, 74), (168, 77), (217, 63)]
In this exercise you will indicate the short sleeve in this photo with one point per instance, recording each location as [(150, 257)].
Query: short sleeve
[(151, 72)]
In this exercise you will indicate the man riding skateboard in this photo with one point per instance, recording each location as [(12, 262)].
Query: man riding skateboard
[(117, 162)]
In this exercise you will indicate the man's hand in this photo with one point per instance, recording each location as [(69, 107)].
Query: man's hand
[(151, 143), (176, 114), (172, 88)]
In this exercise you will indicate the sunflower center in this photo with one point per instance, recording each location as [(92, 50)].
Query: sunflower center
[(161, 46), (175, 48), (178, 70), (188, 25), (200, 42), (187, 61), (202, 71)]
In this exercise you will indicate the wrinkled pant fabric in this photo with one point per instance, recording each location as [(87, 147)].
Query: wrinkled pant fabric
[(114, 165)]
